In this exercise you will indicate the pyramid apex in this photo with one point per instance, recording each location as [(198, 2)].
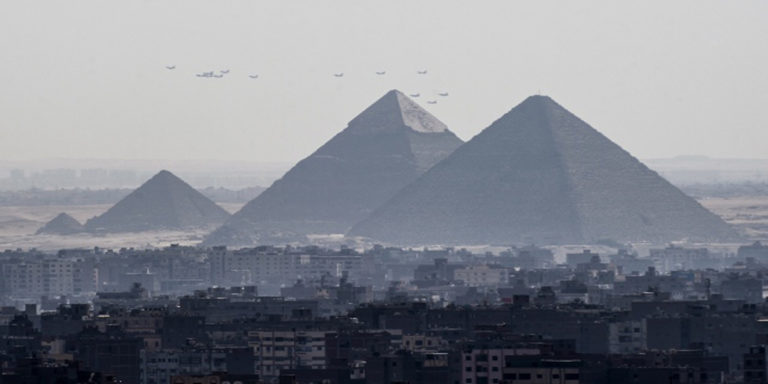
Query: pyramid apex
[(164, 174), (63, 215), (393, 111), (399, 94), (540, 105), (539, 100)]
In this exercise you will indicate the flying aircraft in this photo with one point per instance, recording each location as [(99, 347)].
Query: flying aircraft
[(424, 72), (381, 73), (170, 67), (415, 94), (341, 74), (253, 76), (443, 94), (432, 102)]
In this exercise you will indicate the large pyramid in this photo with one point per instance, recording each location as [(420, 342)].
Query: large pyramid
[(540, 174), (383, 149), (164, 202), (62, 224)]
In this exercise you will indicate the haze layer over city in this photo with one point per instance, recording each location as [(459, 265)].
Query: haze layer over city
[(383, 192)]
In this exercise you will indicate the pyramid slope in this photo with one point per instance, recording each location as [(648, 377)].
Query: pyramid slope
[(163, 202), (383, 149), (62, 224), (540, 174)]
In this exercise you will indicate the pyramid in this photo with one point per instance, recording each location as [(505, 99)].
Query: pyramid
[(62, 224), (384, 148), (540, 174), (164, 202)]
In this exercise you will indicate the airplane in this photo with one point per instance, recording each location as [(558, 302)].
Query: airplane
[(381, 73), (424, 72), (224, 71), (415, 94), (341, 74), (170, 67), (444, 94), (253, 76), (432, 102), (218, 76)]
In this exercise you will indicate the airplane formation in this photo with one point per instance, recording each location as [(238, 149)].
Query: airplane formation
[(221, 73), (213, 74)]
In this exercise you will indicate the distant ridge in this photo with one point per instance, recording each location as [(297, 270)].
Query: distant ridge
[(387, 146), (62, 224), (164, 202), (540, 174)]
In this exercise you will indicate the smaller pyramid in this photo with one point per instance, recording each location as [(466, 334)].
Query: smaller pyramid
[(164, 202), (63, 224)]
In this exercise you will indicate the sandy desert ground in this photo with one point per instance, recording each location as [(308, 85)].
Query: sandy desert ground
[(748, 214), (18, 225)]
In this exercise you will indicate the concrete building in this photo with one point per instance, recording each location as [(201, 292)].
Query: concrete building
[(32, 279), (482, 275), (280, 350)]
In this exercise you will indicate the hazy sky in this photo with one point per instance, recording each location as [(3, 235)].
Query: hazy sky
[(87, 78)]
